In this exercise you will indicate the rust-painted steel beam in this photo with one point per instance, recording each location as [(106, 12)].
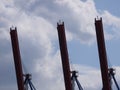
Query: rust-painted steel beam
[(64, 55), (102, 54), (17, 58)]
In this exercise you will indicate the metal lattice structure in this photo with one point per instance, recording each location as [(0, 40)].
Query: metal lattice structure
[(27, 82), (112, 77), (74, 79)]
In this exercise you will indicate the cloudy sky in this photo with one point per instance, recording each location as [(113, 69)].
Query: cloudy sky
[(36, 22)]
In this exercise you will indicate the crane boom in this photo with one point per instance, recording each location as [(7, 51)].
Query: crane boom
[(64, 55), (102, 54), (17, 58)]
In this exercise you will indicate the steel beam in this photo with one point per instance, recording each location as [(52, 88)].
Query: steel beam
[(17, 58), (102, 54), (64, 55)]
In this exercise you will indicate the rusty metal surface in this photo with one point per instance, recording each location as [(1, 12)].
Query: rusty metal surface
[(17, 58), (102, 54), (64, 55)]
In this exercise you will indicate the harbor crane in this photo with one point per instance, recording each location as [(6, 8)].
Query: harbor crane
[(21, 82), (106, 73), (68, 79)]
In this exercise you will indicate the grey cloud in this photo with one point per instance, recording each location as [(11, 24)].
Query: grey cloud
[(7, 74)]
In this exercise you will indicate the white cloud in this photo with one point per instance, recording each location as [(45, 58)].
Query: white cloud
[(89, 77), (78, 16), (111, 25), (36, 25), (74, 13)]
